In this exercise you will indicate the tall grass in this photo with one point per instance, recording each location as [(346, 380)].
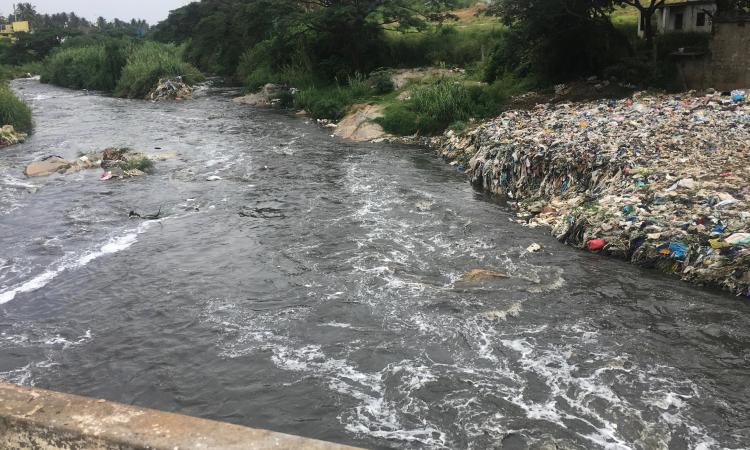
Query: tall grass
[(80, 68), (127, 68), (447, 103), (13, 111), (8, 72), (148, 63), (448, 45)]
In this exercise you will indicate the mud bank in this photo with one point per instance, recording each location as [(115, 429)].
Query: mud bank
[(660, 181)]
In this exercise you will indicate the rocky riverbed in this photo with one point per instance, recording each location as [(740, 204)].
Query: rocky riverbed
[(661, 181)]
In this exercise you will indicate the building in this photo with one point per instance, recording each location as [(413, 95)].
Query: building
[(688, 16), (8, 31), (727, 64)]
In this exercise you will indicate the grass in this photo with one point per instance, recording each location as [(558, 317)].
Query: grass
[(127, 68), (13, 111), (148, 63), (437, 105), (80, 68), (11, 72), (446, 45), (333, 102)]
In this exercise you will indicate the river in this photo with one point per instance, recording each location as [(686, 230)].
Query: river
[(315, 290)]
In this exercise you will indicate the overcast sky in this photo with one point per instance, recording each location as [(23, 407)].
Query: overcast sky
[(151, 10)]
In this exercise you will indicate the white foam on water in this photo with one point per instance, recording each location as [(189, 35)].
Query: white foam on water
[(114, 245), (376, 414), (336, 325)]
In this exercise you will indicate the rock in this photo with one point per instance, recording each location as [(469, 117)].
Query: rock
[(267, 96), (358, 125), (481, 274), (47, 167)]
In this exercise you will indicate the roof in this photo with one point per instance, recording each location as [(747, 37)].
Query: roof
[(687, 3)]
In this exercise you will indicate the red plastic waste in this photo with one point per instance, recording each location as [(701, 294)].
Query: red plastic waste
[(595, 245)]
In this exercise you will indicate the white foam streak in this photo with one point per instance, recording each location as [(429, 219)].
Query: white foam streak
[(114, 245)]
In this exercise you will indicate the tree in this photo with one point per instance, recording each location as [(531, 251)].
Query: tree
[(560, 39), (647, 9), (332, 37)]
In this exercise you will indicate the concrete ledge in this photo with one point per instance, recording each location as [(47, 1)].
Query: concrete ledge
[(44, 420)]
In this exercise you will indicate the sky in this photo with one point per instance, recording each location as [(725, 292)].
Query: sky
[(151, 10)]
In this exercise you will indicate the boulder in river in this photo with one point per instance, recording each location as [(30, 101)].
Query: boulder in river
[(268, 96), (47, 166), (481, 274), (359, 124)]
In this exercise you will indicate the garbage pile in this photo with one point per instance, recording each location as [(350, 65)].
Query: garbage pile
[(171, 89), (116, 163), (9, 136), (662, 181)]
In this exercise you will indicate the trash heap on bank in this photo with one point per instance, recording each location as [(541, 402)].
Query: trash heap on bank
[(662, 181), (9, 136), (171, 89)]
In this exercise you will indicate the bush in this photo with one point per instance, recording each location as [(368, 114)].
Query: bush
[(446, 103), (147, 64), (382, 82), (332, 102), (445, 45), (12, 72), (13, 111), (88, 66)]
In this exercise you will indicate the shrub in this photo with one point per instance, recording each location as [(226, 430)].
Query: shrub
[(381, 81), (87, 64), (446, 103), (147, 64), (332, 102), (13, 111)]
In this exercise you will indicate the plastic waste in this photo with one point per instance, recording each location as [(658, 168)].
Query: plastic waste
[(739, 239), (738, 96), (595, 245), (678, 250), (533, 248), (642, 175)]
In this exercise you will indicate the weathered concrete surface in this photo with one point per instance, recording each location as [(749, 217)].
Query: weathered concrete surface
[(45, 420)]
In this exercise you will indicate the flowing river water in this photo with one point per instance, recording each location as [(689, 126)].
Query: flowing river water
[(315, 290)]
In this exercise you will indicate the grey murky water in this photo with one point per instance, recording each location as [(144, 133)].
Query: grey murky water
[(312, 291)]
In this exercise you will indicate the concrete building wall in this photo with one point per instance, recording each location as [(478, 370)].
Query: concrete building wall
[(689, 16), (730, 55)]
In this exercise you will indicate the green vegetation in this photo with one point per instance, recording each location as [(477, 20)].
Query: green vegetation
[(448, 103), (148, 63), (126, 67), (13, 111)]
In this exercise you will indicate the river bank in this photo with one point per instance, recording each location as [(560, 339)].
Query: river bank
[(310, 289), (660, 181)]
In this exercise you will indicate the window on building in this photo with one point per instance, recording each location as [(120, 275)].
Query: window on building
[(701, 20), (678, 21)]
